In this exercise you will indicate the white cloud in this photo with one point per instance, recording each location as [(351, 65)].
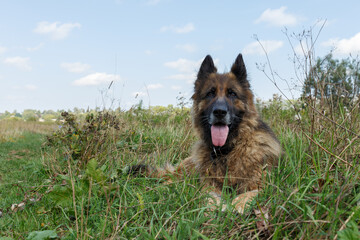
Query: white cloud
[(75, 67), (149, 52), (277, 17), (184, 65), (331, 42), (56, 30), (19, 62), (189, 78), (154, 86), (299, 50), (187, 68), (30, 87), (269, 46), (138, 94), (180, 30), (345, 46), (37, 47), (145, 90), (2, 49), (187, 47), (96, 79)]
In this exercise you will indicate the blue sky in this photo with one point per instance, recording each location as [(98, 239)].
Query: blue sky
[(64, 54)]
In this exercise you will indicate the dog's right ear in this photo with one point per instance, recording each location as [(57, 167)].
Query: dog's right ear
[(207, 67)]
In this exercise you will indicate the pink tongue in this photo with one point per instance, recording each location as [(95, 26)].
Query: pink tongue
[(219, 135)]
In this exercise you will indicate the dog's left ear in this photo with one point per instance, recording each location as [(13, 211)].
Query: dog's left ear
[(239, 70)]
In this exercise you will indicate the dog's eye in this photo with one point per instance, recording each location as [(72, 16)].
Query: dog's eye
[(211, 93), (232, 94)]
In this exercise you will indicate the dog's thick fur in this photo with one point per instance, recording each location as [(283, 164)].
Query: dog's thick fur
[(234, 145)]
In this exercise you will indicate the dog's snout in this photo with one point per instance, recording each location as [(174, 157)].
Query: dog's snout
[(220, 112), (220, 109)]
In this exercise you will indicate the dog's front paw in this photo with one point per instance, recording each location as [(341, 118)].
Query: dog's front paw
[(214, 201), (244, 199)]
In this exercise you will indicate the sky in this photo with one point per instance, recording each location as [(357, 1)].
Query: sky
[(58, 55)]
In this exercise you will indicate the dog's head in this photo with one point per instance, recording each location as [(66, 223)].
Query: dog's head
[(221, 102)]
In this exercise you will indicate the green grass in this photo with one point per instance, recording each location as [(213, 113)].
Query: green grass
[(77, 176), (21, 177)]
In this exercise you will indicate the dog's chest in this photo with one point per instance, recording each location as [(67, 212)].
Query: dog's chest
[(230, 169)]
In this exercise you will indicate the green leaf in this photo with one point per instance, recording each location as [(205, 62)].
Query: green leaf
[(351, 232), (61, 195), (309, 212), (91, 167), (42, 235), (94, 172)]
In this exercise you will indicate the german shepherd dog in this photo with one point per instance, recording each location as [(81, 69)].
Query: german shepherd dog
[(235, 145)]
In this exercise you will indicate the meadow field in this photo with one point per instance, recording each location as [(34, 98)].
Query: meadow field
[(69, 180)]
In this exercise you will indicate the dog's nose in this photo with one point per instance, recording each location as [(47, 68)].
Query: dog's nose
[(220, 112)]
